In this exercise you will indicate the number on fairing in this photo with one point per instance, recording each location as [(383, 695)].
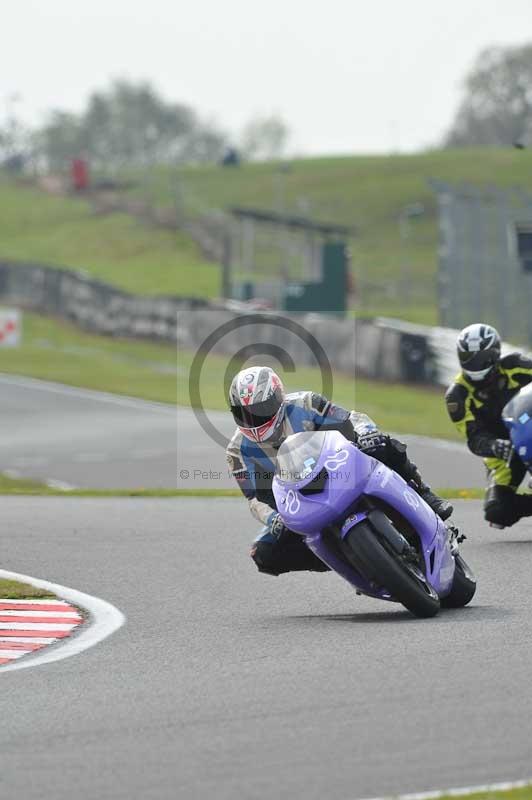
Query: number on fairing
[(335, 462), (411, 498), (293, 503)]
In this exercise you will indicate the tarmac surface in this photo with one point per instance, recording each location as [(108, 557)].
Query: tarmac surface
[(83, 438), (230, 684)]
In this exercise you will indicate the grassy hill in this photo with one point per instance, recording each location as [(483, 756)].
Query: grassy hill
[(64, 231), (368, 192), (395, 274), (117, 248)]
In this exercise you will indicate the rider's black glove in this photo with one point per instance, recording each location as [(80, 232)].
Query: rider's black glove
[(502, 448), (371, 443), (277, 526)]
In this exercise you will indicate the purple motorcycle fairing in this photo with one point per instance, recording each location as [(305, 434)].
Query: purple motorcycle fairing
[(353, 475)]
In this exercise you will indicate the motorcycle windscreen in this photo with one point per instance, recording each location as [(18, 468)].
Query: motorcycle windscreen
[(298, 456), (517, 416)]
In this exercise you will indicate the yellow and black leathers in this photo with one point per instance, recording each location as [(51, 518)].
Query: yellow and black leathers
[(476, 409)]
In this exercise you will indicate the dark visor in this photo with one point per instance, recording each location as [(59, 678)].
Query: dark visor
[(255, 415), (476, 362)]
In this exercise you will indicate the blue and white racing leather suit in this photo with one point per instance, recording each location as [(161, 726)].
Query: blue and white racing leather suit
[(253, 466), (253, 463)]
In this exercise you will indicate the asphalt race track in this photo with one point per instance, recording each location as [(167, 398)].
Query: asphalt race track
[(226, 683), (92, 439), (83, 438), (229, 684)]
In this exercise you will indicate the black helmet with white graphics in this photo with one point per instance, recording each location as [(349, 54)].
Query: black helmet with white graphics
[(479, 350), (257, 401)]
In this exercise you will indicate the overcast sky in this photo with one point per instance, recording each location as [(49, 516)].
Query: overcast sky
[(346, 75)]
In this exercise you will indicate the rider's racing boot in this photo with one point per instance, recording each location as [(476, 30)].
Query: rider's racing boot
[(408, 470), (440, 506)]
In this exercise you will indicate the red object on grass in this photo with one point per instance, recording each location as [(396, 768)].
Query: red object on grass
[(79, 173)]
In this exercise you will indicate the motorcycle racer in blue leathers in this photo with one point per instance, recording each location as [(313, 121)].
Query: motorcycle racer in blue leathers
[(265, 415)]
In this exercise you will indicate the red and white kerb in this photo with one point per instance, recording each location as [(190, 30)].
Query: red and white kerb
[(30, 625)]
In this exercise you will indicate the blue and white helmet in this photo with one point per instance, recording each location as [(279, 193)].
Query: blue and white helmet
[(479, 350)]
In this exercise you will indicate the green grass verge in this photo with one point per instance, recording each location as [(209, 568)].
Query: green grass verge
[(524, 793), (116, 248), (60, 352), (28, 488), (23, 486), (19, 591), (462, 494)]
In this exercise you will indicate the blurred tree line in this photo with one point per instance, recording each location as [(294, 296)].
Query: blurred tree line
[(126, 126), (496, 108), (131, 125)]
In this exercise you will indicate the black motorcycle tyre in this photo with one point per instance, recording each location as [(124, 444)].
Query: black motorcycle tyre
[(382, 568), (463, 588)]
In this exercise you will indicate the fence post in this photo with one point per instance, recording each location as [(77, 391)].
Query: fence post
[(226, 266)]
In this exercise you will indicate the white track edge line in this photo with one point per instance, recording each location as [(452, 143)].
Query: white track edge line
[(104, 620), (87, 394), (52, 483), (459, 792)]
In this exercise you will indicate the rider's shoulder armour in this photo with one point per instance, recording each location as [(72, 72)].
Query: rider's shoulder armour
[(308, 401), (515, 361), (455, 400), (517, 368), (319, 402), (302, 398), (233, 452)]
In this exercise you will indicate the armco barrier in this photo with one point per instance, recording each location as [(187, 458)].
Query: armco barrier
[(382, 349), (91, 304)]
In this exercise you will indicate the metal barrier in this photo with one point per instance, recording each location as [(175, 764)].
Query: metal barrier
[(93, 305), (382, 349), (485, 269)]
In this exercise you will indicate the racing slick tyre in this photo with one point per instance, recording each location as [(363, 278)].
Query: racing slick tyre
[(463, 588), (405, 582)]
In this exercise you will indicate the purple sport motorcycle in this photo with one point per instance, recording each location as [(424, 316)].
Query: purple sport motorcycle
[(368, 525)]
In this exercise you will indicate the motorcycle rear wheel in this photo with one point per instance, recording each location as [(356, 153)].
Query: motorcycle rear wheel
[(387, 570)]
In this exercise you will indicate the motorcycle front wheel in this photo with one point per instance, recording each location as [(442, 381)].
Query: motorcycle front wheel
[(463, 588), (384, 569)]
